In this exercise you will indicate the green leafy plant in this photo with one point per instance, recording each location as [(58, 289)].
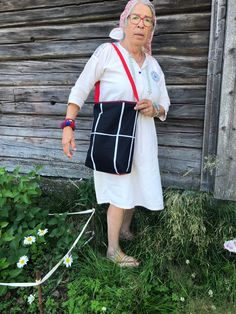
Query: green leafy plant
[(22, 219), (211, 163), (18, 214)]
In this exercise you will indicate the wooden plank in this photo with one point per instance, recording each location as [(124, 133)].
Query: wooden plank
[(189, 44), (180, 160), (183, 23), (213, 90), (67, 14), (178, 138), (67, 170), (183, 94), (35, 121), (175, 180), (13, 5), (35, 12), (184, 70), (178, 70), (48, 50), (55, 169), (171, 6), (176, 125), (166, 24), (39, 132), (225, 181), (181, 139), (184, 111), (39, 148), (56, 32), (179, 94), (58, 95), (6, 94), (85, 123)]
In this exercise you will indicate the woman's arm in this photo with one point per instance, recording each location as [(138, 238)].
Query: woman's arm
[(68, 139), (72, 111)]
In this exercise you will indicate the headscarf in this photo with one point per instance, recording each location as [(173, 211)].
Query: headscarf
[(118, 32)]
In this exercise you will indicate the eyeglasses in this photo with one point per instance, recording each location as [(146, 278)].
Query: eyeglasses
[(136, 18)]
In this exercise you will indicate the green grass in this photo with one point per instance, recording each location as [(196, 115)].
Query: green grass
[(184, 268)]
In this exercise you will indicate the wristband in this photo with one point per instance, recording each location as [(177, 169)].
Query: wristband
[(68, 122)]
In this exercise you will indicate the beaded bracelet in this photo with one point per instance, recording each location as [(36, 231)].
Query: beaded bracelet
[(68, 122)]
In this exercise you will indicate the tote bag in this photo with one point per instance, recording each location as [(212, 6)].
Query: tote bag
[(113, 132)]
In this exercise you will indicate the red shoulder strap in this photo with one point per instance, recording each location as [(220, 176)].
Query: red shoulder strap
[(97, 92), (127, 71), (97, 85)]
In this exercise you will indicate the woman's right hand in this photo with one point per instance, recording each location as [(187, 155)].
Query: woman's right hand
[(68, 141)]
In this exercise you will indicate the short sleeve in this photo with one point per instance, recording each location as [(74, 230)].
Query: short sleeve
[(91, 73)]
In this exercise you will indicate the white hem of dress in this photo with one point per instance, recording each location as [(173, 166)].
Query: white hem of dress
[(129, 206)]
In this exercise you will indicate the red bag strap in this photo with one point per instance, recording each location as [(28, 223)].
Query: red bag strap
[(97, 92), (127, 71)]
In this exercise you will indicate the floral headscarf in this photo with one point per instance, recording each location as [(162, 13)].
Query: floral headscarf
[(118, 33)]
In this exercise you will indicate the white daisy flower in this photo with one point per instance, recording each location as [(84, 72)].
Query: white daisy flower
[(210, 292), (193, 275), (22, 261), (182, 299), (187, 261), (29, 240), (31, 298), (42, 232), (104, 309), (68, 260)]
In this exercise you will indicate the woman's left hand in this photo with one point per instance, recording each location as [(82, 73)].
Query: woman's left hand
[(145, 106)]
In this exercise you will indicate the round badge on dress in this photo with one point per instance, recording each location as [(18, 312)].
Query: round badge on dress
[(155, 76)]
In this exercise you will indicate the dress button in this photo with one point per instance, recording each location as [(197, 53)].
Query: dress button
[(139, 72)]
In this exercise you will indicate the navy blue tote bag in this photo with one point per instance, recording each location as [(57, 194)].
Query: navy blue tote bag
[(113, 132)]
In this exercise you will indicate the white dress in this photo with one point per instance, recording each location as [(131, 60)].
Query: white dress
[(142, 187)]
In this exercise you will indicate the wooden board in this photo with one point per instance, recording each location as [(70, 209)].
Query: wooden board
[(82, 31), (213, 90), (178, 70), (94, 8), (225, 182)]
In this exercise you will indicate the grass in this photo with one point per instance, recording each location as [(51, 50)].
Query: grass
[(184, 268)]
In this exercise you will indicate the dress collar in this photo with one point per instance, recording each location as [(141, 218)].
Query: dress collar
[(128, 55)]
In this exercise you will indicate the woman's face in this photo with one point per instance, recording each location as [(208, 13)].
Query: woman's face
[(138, 30)]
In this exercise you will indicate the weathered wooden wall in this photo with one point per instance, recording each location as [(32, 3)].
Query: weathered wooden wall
[(213, 93), (225, 183), (44, 46)]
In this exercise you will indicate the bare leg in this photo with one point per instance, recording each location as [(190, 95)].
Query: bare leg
[(125, 232), (115, 217)]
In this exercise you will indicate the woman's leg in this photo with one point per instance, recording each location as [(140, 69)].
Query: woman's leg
[(115, 216), (125, 232)]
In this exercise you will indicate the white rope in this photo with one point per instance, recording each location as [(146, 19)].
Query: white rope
[(49, 274)]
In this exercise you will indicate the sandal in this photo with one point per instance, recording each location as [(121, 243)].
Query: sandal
[(122, 260), (126, 236)]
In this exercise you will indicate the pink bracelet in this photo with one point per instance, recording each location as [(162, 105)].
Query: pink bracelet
[(68, 122)]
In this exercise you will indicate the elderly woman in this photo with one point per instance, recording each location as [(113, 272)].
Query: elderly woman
[(142, 186)]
